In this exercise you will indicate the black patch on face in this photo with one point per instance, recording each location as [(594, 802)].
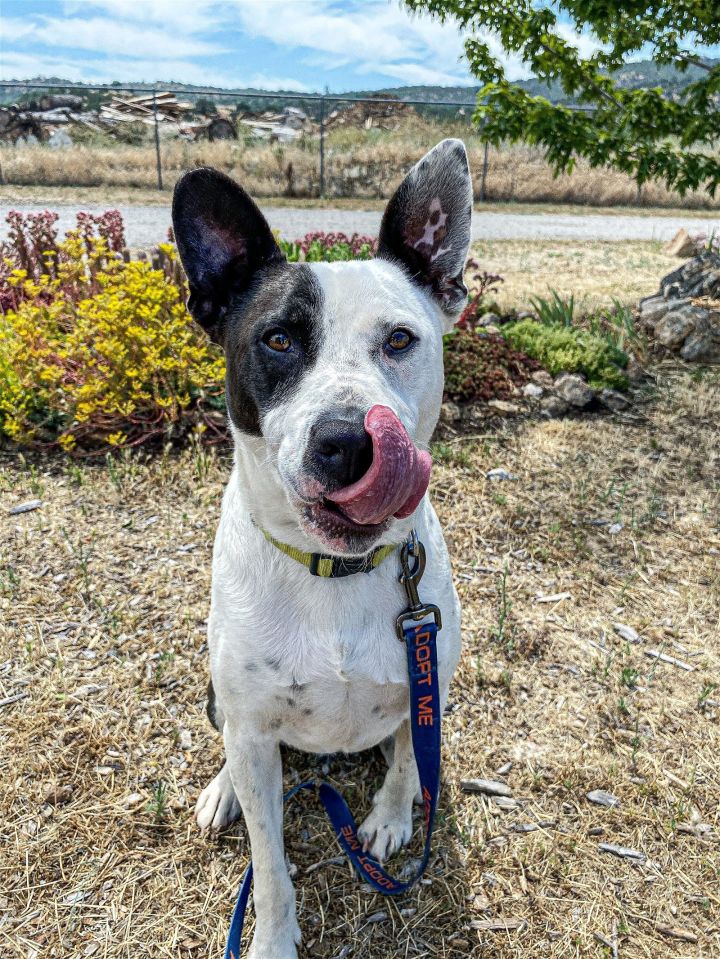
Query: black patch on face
[(211, 706), (273, 663), (284, 297)]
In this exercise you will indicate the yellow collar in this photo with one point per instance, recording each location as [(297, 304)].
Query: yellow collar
[(333, 567)]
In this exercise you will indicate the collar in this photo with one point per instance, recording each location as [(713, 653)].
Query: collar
[(333, 567)]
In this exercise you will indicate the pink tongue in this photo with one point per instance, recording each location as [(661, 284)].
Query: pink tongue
[(397, 478)]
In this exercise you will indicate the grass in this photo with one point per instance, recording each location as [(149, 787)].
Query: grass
[(359, 163), (596, 275), (104, 598)]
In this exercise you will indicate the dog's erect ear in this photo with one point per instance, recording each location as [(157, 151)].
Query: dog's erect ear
[(426, 225), (223, 240)]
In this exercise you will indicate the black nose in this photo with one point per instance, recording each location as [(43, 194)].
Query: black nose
[(340, 452)]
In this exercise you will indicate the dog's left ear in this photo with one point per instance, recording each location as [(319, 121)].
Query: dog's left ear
[(426, 226)]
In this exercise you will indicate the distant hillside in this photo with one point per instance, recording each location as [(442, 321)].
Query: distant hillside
[(643, 73)]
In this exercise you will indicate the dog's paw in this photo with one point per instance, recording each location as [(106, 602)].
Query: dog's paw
[(385, 831), (217, 806), (280, 944)]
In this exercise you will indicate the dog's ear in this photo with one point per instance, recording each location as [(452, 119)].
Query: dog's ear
[(426, 225), (223, 240)]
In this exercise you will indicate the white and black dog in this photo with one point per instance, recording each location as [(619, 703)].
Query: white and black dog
[(334, 385)]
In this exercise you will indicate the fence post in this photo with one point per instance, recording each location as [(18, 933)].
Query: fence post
[(157, 144), (322, 147), (484, 172)]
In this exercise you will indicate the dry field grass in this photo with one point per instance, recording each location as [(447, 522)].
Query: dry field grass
[(595, 273), (104, 745), (358, 163)]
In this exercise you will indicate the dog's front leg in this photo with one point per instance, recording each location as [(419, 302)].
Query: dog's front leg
[(256, 773)]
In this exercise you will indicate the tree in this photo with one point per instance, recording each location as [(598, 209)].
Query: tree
[(647, 133)]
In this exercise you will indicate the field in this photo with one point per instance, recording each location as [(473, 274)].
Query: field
[(359, 163), (590, 584)]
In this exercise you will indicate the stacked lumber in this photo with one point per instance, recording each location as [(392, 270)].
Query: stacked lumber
[(386, 116), (127, 109)]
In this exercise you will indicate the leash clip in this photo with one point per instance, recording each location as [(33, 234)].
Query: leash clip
[(410, 577)]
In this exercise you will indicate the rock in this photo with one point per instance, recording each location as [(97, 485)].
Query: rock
[(634, 371), (502, 406), (574, 390), (674, 327), (622, 851), (490, 787), (701, 347), (656, 307), (542, 378), (498, 475), (627, 633), (489, 319), (553, 406), (450, 413), (526, 315), (27, 507), (533, 391), (613, 399), (682, 244), (602, 798)]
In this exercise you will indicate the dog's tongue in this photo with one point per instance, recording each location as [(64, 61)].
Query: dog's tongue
[(397, 478)]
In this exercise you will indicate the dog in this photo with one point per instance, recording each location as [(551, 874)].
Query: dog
[(333, 389)]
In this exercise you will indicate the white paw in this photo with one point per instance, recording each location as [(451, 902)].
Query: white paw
[(280, 944), (217, 806), (385, 831)]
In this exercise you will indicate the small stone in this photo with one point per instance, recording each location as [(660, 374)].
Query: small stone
[(682, 244), (499, 475), (542, 378), (574, 390), (626, 632), (700, 348), (674, 327), (489, 319), (27, 507), (450, 413), (614, 400), (490, 787), (623, 851), (533, 391), (602, 798), (615, 528), (502, 406), (553, 406)]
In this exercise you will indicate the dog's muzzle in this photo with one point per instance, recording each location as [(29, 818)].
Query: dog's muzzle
[(396, 479)]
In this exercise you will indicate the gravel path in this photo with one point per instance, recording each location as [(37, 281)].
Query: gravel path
[(147, 225)]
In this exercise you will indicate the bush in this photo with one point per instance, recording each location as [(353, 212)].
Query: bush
[(562, 349), (98, 351), (483, 366), (321, 246)]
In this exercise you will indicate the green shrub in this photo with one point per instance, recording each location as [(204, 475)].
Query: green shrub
[(561, 349)]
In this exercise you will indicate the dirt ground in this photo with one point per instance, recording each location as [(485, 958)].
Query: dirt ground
[(104, 744)]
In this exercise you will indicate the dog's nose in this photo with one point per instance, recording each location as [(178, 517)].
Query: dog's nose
[(340, 452)]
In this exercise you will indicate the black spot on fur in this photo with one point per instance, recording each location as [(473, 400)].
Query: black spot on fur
[(273, 663), (307, 711), (210, 708), (241, 290), (275, 724), (291, 702), (376, 710), (252, 667)]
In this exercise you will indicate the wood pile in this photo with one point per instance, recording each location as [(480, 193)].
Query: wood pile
[(383, 116), (127, 109)]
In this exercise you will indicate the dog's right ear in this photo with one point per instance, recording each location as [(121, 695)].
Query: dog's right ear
[(223, 240)]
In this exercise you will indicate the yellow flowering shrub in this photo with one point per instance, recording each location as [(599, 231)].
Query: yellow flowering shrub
[(100, 351)]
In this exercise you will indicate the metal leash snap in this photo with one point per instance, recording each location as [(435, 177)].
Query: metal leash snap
[(410, 577)]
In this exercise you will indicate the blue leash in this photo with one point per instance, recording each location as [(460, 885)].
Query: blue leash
[(425, 718)]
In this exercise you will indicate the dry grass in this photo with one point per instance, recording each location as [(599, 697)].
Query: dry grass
[(359, 163), (596, 273), (104, 595)]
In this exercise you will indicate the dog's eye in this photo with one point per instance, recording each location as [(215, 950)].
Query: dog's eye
[(399, 340), (277, 340)]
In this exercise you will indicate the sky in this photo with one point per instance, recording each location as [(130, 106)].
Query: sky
[(301, 45), (298, 45)]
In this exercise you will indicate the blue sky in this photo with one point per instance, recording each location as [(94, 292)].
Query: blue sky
[(303, 45)]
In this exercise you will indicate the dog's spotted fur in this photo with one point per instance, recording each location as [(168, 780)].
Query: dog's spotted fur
[(312, 662)]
